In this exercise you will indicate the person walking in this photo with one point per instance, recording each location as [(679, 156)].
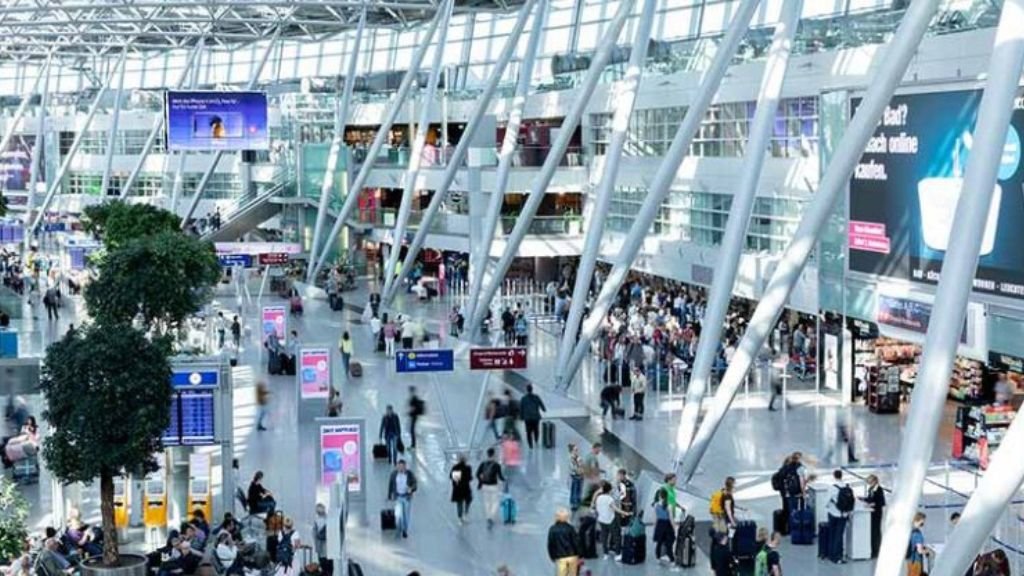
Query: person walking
[(236, 332), (840, 505), (488, 476), (461, 476), (530, 407), (638, 386), (401, 487), (391, 433), (664, 528), (417, 408), (52, 299), (345, 346), (221, 326), (607, 511), (564, 545), (842, 435), (390, 334), (262, 400), (875, 498)]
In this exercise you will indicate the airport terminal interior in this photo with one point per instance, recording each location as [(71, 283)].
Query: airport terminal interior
[(511, 287)]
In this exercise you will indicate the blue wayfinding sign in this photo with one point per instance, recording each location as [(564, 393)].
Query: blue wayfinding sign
[(408, 361)]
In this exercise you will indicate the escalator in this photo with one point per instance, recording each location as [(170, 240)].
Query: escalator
[(248, 215)]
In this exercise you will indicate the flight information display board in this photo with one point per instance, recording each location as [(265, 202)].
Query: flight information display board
[(193, 408)]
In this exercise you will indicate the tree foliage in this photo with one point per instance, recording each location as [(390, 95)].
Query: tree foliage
[(108, 398), (167, 276), (13, 520), (117, 222)]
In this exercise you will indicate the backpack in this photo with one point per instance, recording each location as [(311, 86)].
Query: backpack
[(779, 480), (791, 482), (845, 500), (628, 500), (717, 509), (285, 551), (761, 562)]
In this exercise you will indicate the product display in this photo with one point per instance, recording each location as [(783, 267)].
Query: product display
[(979, 430)]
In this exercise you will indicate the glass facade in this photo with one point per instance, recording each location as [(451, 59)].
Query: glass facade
[(723, 132), (700, 218), (220, 186)]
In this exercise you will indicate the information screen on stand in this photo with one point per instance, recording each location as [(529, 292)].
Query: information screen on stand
[(193, 408)]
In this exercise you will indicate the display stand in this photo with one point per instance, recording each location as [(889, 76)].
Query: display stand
[(979, 430)]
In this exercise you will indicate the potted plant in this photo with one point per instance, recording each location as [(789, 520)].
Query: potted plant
[(13, 516), (108, 397)]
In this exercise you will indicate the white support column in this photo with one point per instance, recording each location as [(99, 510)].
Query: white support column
[(894, 62), (412, 171), (735, 237), (508, 148), (340, 122), (154, 132), (554, 158), (624, 103), (459, 154), (989, 501), (253, 82), (352, 198), (940, 345), (38, 147), (662, 180), (115, 119), (12, 124), (75, 144)]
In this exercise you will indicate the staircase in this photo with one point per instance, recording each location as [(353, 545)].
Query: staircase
[(251, 210)]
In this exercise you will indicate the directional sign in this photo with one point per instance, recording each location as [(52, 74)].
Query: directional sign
[(435, 360), (497, 359)]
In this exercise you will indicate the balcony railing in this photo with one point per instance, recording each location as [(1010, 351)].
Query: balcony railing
[(546, 225), (432, 157)]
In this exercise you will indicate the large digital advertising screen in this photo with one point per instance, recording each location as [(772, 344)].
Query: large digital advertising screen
[(904, 192), (16, 163), (201, 121)]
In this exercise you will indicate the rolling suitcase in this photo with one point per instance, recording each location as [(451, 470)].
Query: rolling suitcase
[(634, 549), (686, 552), (588, 537), (387, 519), (780, 523), (354, 569), (801, 527), (823, 540), (356, 369), (547, 434), (744, 540), (274, 364), (509, 509), (380, 452)]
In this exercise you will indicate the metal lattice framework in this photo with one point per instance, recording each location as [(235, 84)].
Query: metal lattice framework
[(31, 29)]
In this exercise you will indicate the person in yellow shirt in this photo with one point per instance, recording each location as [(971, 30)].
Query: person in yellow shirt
[(345, 346)]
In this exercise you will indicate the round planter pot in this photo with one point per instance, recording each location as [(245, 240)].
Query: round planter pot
[(131, 565)]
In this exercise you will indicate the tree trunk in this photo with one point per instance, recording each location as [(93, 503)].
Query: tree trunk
[(110, 554)]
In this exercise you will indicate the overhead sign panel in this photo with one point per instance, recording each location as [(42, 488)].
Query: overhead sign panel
[(412, 361), (497, 359)]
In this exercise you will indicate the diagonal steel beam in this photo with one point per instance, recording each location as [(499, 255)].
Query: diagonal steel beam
[(158, 125), (416, 155), (56, 184), (959, 266), (735, 236), (662, 181), (462, 148), (253, 81), (39, 146), (114, 121), (894, 62), (623, 105)]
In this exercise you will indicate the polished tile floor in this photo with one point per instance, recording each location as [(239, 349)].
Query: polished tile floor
[(750, 446)]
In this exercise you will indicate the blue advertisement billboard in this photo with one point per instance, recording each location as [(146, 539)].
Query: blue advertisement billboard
[(904, 192), (201, 121)]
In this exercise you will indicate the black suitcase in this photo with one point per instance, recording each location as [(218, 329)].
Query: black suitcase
[(823, 540), (634, 549), (744, 540), (288, 365), (387, 519), (618, 413), (588, 537), (686, 551), (780, 523), (380, 341), (407, 342), (547, 434), (274, 364), (801, 527), (380, 452)]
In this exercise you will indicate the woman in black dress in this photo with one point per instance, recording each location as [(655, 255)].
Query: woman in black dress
[(462, 493), (876, 499)]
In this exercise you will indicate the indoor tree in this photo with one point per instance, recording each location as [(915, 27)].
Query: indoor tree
[(118, 222), (108, 397), (13, 517)]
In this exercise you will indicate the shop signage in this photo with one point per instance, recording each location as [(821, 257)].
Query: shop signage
[(273, 259), (412, 361), (1005, 362), (256, 248), (904, 193), (497, 359), (908, 314), (863, 330), (232, 260)]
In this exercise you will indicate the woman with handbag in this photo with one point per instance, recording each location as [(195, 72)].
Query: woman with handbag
[(461, 475)]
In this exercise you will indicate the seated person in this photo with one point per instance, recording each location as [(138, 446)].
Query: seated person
[(22, 566), (191, 534), (260, 499), (51, 562), (24, 445), (189, 558), (227, 554), (230, 526), (156, 560), (81, 538)]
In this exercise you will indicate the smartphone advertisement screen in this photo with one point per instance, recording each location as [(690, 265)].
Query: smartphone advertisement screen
[(205, 121)]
